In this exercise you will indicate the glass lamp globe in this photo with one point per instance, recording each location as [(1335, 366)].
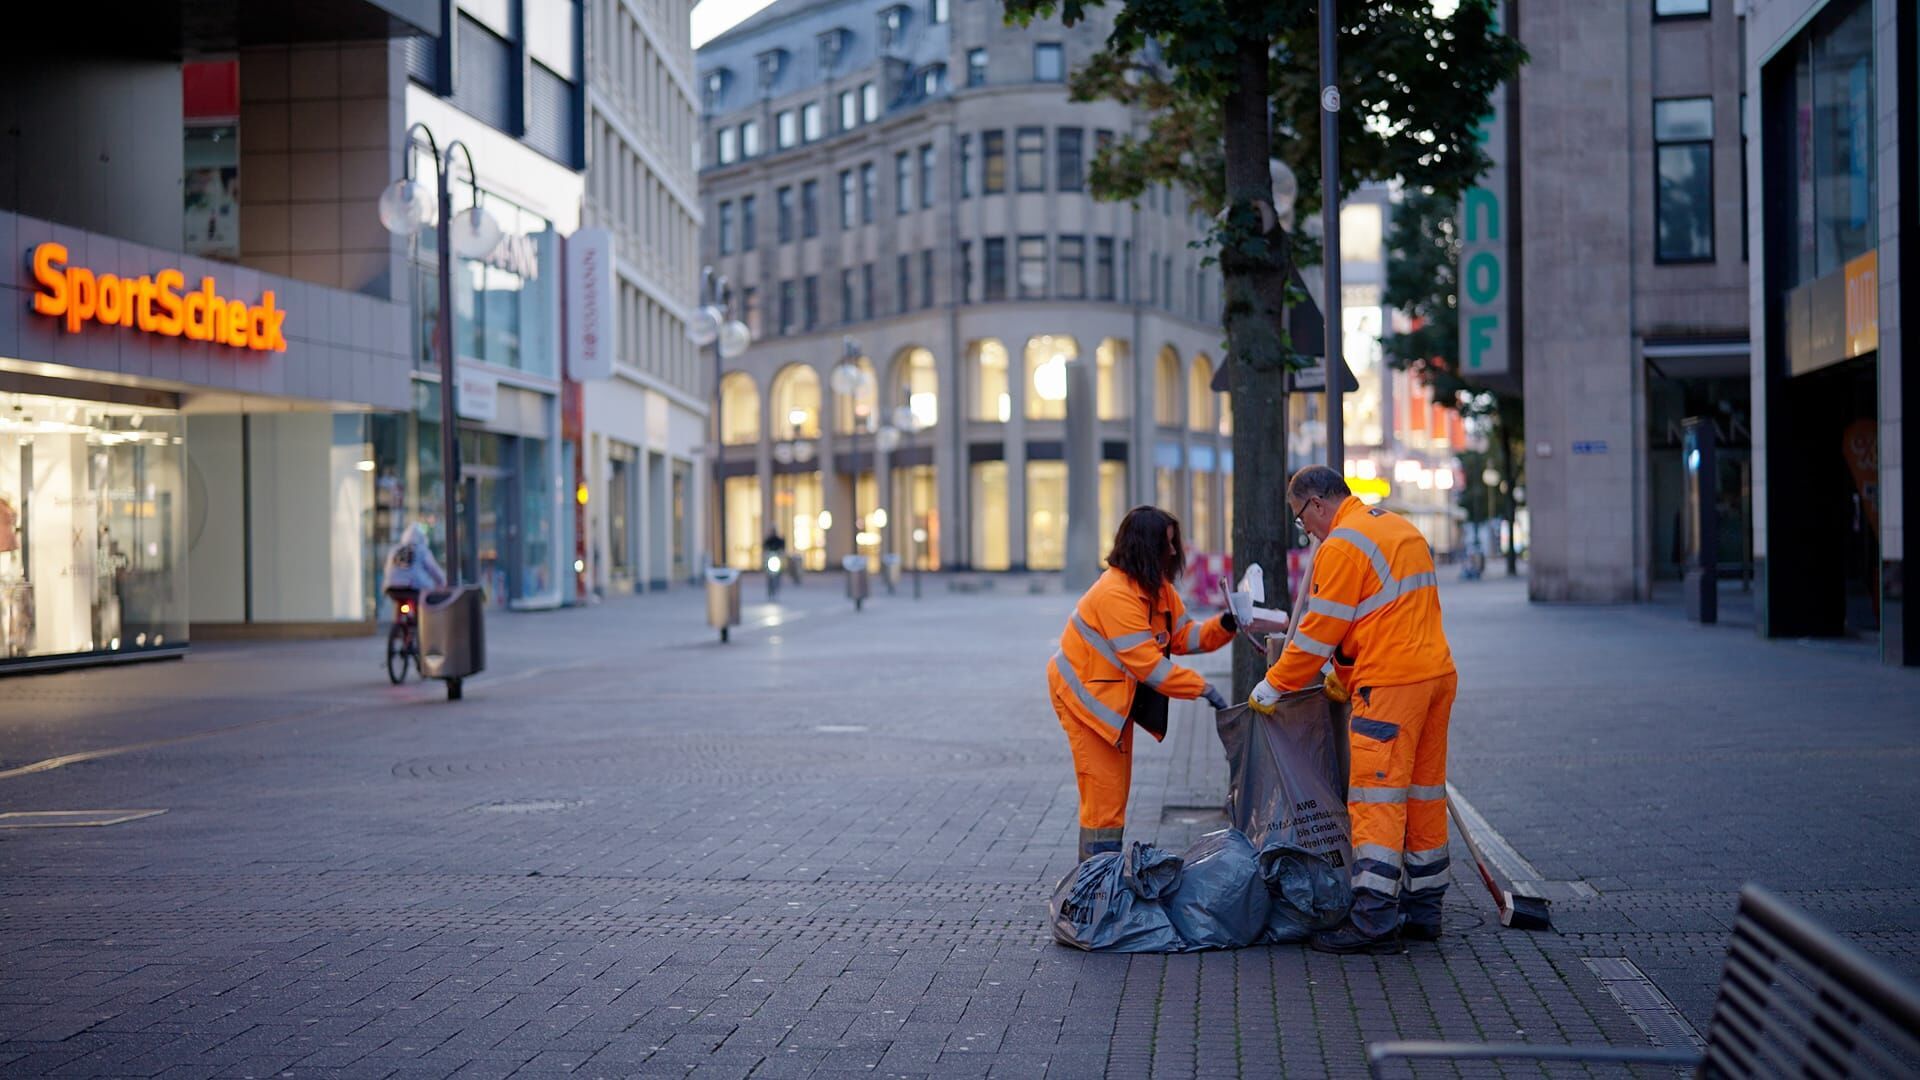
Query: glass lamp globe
[(849, 379), (473, 233), (905, 419), (734, 338), (704, 328), (888, 439), (406, 207)]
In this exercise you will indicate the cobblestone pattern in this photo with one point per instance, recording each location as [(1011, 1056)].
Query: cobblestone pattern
[(634, 852)]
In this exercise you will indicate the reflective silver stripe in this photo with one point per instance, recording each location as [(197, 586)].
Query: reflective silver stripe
[(1367, 879), (1307, 643), (1343, 612), (1129, 641), (1381, 568), (1416, 859), (1428, 791), (1097, 641), (1158, 676), (1377, 852), (1193, 637), (1395, 589), (1094, 705), (1377, 794)]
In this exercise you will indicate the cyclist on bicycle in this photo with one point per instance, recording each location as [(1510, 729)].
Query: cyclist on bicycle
[(411, 569)]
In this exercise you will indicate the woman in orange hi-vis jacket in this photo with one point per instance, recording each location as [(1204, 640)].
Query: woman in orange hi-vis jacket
[(1112, 671), (1373, 610)]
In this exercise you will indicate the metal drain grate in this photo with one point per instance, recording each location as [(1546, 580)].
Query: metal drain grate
[(70, 819), (1643, 1001), (530, 806)]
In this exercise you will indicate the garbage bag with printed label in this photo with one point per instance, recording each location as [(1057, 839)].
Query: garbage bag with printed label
[(1112, 902), (1286, 792), (1221, 901)]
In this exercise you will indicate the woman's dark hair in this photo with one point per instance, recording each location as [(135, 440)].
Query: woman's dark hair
[(1147, 548)]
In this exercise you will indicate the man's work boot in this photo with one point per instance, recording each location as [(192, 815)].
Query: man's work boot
[(1348, 938), (1420, 931)]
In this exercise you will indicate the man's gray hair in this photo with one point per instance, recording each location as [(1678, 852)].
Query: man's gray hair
[(1317, 481)]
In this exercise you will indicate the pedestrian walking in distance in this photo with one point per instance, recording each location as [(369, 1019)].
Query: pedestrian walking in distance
[(1112, 670), (1373, 610)]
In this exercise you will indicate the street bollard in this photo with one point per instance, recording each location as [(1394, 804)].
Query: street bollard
[(858, 583), (723, 599), (890, 571)]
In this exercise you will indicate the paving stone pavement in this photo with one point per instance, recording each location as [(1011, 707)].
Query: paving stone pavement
[(825, 850)]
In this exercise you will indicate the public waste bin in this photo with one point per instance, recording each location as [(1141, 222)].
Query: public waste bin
[(453, 639), (890, 571), (723, 598), (858, 583)]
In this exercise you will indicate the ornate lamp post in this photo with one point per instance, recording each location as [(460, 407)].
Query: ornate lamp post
[(906, 424), (850, 379), (713, 324)]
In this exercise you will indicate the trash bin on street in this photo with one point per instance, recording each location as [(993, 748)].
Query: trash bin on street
[(890, 571), (858, 585), (723, 598), (453, 639)]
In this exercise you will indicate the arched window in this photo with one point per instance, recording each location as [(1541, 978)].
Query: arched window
[(1047, 356), (1224, 403), (992, 399), (916, 384), (1200, 394), (861, 404), (1111, 357), (1167, 410), (739, 409), (796, 403)]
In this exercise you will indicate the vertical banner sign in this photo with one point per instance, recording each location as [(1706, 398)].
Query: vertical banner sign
[(1486, 321), (591, 337)]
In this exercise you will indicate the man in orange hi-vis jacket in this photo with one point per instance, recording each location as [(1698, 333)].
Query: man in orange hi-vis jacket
[(1373, 610), (1113, 667)]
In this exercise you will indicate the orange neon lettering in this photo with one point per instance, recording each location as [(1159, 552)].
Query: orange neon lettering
[(165, 286), (112, 297), (156, 304), (49, 269), (237, 320)]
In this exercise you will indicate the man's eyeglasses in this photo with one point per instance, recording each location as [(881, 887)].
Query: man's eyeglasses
[(1299, 515)]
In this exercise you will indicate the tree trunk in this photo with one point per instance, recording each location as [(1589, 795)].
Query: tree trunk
[(1253, 263)]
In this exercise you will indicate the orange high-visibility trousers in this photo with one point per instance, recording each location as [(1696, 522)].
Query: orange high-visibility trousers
[(1397, 798), (1104, 773)]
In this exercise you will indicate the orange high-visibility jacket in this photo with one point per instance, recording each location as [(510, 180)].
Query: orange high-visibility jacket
[(1373, 607), (1118, 638)]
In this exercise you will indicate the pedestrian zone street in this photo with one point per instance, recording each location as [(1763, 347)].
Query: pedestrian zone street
[(825, 850)]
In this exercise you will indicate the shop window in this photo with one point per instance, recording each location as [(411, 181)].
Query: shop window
[(916, 385), (1200, 395), (622, 496), (915, 524), (504, 305), (1046, 386), (992, 394), (1049, 63), (1111, 361), (742, 497), (1167, 410), (1683, 151), (1200, 527), (1046, 515), (990, 516), (1030, 151), (739, 410), (795, 401)]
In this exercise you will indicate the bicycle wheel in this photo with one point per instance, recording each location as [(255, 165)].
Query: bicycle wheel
[(398, 649)]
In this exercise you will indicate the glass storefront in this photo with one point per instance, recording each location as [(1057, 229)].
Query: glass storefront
[(504, 305), (744, 535), (916, 510), (622, 495), (797, 507), (989, 503), (93, 528), (1046, 515)]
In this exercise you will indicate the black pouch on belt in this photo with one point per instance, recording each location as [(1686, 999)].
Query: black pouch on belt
[(1149, 708)]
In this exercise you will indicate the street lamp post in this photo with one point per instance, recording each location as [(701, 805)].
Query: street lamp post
[(851, 380), (714, 325), (906, 424), (1330, 228)]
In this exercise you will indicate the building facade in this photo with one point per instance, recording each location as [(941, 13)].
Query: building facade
[(909, 183), (1623, 285), (646, 415), (1832, 89)]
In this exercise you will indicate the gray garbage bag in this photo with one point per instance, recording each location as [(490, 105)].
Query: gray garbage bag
[(1286, 792), (1112, 902), (1221, 901)]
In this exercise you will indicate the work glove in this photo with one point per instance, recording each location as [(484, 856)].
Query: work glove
[(1228, 622), (1214, 697), (1265, 698), (1336, 690)]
